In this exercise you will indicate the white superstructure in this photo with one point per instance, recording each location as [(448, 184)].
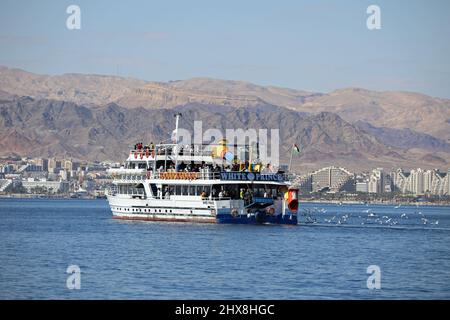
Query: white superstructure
[(171, 182)]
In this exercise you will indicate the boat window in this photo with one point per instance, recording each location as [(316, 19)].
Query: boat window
[(184, 190), (141, 165), (192, 191), (178, 190), (206, 189)]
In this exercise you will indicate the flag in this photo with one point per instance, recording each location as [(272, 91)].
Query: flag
[(296, 149)]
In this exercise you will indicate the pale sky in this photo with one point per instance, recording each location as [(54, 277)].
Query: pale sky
[(308, 45)]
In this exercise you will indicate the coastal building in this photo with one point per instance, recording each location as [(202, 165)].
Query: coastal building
[(5, 184), (67, 165), (362, 186), (64, 175), (376, 182), (42, 162), (53, 165), (420, 182), (304, 184), (448, 182), (417, 181), (334, 179), (399, 178), (435, 182), (32, 185), (7, 168)]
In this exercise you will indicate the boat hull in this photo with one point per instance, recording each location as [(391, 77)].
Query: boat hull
[(221, 219), (141, 210)]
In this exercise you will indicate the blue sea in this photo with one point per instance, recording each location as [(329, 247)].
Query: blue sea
[(325, 257)]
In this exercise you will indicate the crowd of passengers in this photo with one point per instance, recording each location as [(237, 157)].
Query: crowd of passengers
[(207, 168), (186, 150), (236, 167), (182, 149)]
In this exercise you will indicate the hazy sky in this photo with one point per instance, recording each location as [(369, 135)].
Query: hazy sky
[(310, 45)]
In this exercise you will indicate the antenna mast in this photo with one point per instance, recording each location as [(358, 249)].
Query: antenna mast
[(177, 117)]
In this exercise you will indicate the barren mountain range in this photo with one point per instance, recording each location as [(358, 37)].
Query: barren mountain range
[(98, 117)]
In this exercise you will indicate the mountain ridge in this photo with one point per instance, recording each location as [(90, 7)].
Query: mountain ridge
[(47, 128), (352, 125), (391, 109)]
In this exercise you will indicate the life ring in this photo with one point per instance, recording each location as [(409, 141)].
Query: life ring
[(146, 153), (135, 155), (270, 211), (234, 213), (142, 154)]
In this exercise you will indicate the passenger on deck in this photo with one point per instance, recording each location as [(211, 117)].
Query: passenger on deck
[(158, 194)]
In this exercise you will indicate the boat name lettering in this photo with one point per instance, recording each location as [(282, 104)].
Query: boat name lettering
[(251, 176)]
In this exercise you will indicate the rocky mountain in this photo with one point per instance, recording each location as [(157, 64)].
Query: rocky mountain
[(405, 138), (43, 127), (78, 88), (99, 117), (399, 110)]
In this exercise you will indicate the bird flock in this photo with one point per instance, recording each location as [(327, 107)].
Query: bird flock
[(321, 216)]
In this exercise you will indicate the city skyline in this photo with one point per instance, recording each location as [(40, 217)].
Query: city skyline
[(60, 175)]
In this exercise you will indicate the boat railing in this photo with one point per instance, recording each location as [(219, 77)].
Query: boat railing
[(142, 175), (169, 151)]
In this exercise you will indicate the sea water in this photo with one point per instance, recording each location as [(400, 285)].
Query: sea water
[(325, 257)]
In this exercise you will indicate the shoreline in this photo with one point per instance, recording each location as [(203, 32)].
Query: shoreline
[(48, 197), (321, 201), (379, 202)]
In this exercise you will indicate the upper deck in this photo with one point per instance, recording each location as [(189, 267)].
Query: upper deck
[(175, 163), (122, 175)]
